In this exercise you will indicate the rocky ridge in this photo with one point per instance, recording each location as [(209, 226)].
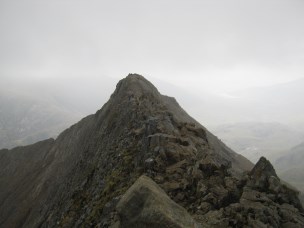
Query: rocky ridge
[(87, 170)]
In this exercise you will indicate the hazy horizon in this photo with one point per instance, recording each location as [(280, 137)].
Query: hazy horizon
[(224, 61), (218, 46)]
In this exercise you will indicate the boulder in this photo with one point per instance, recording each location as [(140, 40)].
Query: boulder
[(260, 174), (145, 204)]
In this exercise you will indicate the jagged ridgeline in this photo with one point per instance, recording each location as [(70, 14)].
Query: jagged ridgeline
[(184, 176)]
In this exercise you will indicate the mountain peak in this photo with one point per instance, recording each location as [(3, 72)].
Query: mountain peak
[(87, 169), (135, 85), (135, 76)]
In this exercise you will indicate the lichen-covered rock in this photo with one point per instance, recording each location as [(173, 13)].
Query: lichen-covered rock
[(146, 205)]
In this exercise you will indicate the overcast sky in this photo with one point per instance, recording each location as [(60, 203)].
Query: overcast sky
[(217, 45)]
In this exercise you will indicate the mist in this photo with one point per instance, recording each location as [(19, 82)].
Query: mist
[(225, 62), (70, 149), (217, 46)]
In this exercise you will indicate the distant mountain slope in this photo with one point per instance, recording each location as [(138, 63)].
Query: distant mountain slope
[(256, 139), (25, 118), (77, 179), (291, 166)]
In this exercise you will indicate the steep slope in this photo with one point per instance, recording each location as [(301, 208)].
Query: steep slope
[(19, 177), (83, 173)]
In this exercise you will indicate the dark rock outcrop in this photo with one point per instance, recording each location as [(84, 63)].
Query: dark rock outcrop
[(79, 178), (263, 202)]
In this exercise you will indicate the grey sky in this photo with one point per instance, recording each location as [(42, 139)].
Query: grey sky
[(216, 45)]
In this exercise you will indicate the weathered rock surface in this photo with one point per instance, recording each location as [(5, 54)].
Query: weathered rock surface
[(262, 202), (145, 204), (79, 178)]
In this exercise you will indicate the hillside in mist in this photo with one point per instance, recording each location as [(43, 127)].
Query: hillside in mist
[(35, 110), (73, 153), (279, 103), (141, 161), (291, 166), (256, 139), (26, 118)]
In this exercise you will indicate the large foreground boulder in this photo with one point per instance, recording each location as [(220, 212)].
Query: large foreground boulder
[(145, 204)]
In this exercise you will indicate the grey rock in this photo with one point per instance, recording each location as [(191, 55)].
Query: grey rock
[(145, 204)]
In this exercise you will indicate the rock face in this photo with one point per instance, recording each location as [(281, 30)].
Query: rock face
[(145, 204), (79, 178), (264, 202), (260, 201)]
